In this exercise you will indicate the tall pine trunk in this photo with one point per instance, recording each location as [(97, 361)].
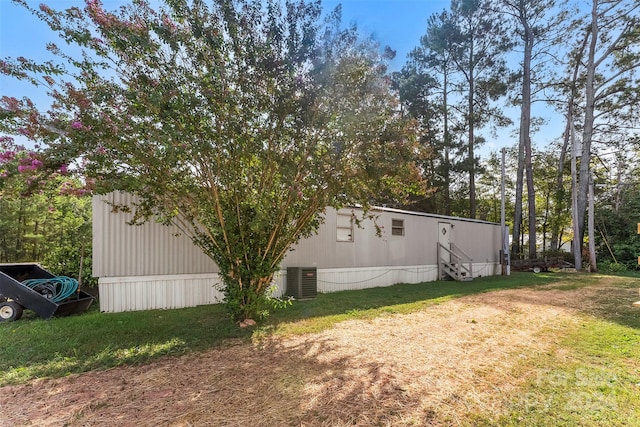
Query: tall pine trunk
[(559, 196), (447, 145), (525, 130), (567, 141), (587, 133), (471, 154)]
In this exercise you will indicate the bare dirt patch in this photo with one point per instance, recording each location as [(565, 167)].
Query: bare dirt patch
[(427, 368)]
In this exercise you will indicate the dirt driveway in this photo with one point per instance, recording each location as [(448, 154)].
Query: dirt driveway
[(427, 368)]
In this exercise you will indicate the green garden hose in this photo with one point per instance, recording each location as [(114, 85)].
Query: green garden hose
[(56, 288)]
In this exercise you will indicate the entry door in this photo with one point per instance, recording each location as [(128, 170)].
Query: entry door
[(444, 238)]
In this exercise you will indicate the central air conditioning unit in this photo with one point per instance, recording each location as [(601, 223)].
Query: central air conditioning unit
[(302, 282)]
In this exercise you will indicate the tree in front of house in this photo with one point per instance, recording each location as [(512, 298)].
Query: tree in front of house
[(240, 121)]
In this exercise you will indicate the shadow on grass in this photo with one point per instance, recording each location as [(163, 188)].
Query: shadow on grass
[(609, 297), (36, 348), (401, 298), (312, 382)]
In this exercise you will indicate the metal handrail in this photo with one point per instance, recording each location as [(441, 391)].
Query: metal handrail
[(457, 248)]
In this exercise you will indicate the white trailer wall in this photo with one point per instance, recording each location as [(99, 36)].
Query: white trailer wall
[(154, 266)]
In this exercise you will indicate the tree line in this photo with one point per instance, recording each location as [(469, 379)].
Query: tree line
[(480, 59), (48, 222)]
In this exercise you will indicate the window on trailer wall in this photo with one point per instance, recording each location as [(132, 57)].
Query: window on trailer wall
[(344, 231), (397, 227)]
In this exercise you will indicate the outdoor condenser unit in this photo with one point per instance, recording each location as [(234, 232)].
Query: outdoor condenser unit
[(302, 282)]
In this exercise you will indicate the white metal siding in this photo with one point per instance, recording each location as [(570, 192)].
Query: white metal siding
[(150, 249), (152, 266), (481, 241), (122, 250), (418, 246)]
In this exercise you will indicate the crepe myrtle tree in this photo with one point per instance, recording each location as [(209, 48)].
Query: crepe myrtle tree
[(238, 120)]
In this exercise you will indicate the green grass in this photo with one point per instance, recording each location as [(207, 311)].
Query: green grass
[(596, 381), (328, 309), (58, 347), (35, 348), (590, 378)]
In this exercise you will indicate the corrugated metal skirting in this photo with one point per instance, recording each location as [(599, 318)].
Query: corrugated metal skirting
[(119, 294)]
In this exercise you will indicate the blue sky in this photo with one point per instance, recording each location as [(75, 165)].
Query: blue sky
[(396, 23)]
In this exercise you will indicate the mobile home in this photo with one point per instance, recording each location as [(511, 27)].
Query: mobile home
[(153, 266)]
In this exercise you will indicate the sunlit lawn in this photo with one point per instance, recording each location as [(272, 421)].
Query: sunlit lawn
[(595, 383), (32, 347)]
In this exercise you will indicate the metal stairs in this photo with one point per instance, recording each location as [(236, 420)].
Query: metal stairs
[(454, 263)]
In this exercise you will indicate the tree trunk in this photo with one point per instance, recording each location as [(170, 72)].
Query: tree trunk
[(593, 268), (545, 223), (587, 133), (559, 198), (447, 145), (525, 130), (570, 140), (471, 155), (577, 246), (517, 216)]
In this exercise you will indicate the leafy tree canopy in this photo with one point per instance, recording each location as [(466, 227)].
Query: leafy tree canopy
[(241, 120)]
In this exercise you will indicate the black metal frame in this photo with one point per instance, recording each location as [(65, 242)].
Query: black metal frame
[(11, 276)]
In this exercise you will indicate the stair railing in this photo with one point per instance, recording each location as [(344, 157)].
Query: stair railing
[(461, 267)]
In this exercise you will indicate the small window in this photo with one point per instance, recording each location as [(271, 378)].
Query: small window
[(344, 231), (397, 227)]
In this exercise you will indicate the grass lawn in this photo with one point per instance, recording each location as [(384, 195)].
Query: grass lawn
[(597, 381), (34, 348), (588, 372)]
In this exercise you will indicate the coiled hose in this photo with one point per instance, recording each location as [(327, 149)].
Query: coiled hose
[(56, 288)]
